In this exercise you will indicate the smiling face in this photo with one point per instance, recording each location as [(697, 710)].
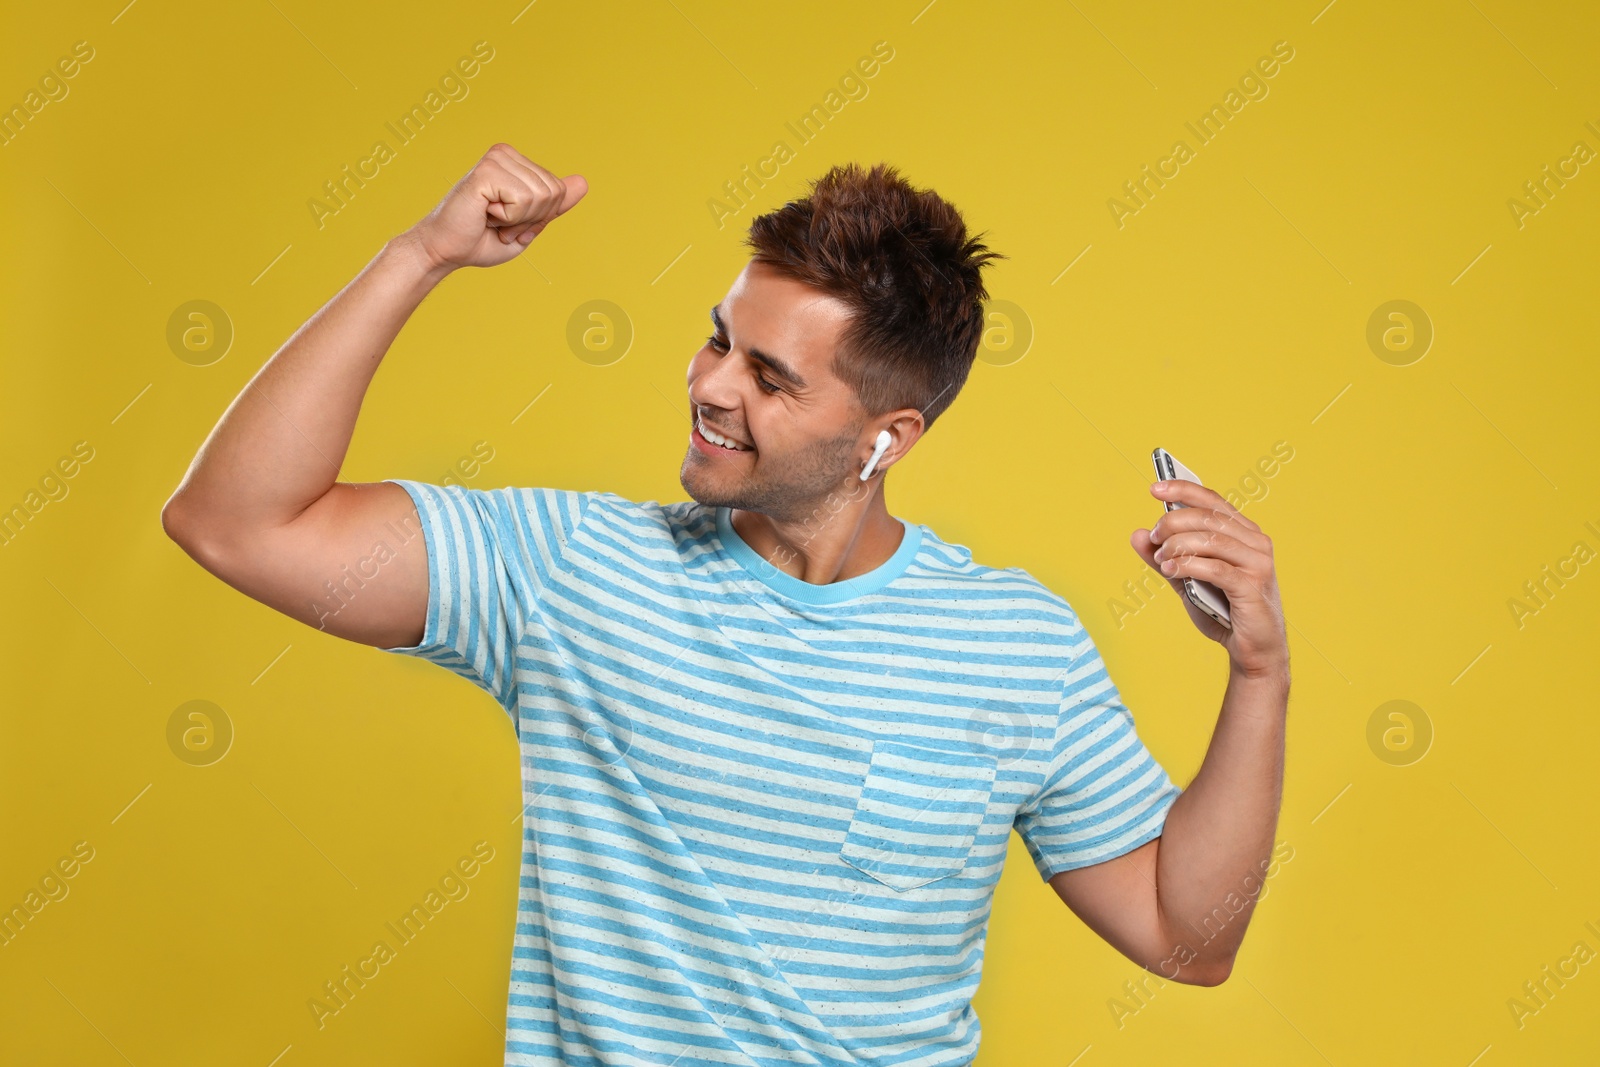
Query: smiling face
[(763, 381)]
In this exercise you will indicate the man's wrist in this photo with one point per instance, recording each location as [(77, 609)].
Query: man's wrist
[(1274, 675), (409, 251)]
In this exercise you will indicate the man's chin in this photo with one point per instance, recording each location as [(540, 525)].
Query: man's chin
[(703, 490), (695, 484)]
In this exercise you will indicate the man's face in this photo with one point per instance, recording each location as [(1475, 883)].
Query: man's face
[(764, 379)]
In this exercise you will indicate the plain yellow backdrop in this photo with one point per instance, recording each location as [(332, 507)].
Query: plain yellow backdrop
[(1226, 317)]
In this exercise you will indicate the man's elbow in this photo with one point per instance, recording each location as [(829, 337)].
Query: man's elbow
[(1206, 972), (181, 526), (1190, 966), (169, 518), (177, 523)]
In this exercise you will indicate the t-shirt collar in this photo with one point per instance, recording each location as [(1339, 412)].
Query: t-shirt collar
[(832, 593)]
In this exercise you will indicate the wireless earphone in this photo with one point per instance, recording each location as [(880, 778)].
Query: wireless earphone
[(878, 447)]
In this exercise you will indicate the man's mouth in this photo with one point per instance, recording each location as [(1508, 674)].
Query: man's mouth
[(712, 440)]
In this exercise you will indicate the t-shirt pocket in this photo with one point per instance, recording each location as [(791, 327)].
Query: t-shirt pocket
[(919, 813)]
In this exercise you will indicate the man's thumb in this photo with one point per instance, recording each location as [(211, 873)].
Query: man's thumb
[(577, 188)]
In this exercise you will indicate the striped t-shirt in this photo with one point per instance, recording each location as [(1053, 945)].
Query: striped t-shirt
[(763, 818)]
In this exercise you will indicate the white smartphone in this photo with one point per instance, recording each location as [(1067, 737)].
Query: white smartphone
[(1203, 595)]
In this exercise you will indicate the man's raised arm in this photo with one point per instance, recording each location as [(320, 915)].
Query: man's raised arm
[(261, 506), (1179, 904)]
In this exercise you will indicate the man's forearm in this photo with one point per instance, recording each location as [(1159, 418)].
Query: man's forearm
[(279, 446), (1218, 836)]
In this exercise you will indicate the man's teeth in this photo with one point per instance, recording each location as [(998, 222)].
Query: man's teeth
[(717, 439)]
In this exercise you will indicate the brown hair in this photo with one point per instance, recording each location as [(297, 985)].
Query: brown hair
[(901, 260)]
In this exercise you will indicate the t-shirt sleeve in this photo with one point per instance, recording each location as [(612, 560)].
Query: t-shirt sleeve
[(1103, 793), (491, 554)]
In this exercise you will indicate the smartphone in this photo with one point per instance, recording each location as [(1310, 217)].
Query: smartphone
[(1203, 595)]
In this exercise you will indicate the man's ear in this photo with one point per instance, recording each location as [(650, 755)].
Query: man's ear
[(905, 429)]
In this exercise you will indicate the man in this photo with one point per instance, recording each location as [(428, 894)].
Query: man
[(774, 741)]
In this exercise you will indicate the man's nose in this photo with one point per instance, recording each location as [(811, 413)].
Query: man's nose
[(716, 383)]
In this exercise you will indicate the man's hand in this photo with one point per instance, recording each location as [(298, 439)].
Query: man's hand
[(1210, 540), (503, 203)]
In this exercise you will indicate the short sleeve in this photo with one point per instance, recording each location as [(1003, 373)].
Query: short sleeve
[(1103, 793), (491, 554)]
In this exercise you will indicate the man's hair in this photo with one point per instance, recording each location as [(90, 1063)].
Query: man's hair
[(902, 262)]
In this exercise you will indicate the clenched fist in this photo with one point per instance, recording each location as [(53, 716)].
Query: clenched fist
[(504, 202)]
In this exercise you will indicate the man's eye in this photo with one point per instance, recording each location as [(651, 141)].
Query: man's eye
[(719, 345)]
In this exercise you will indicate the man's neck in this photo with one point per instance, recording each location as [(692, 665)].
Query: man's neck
[(830, 545)]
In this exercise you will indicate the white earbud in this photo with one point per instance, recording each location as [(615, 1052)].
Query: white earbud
[(878, 447)]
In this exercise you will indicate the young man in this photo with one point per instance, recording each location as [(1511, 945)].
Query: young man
[(774, 740)]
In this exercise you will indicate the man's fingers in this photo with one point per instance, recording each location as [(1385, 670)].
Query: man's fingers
[(508, 156), (537, 177), (509, 198), (565, 191), (1195, 495), (1200, 518), (560, 193), (516, 198), (572, 189), (524, 200), (1207, 543)]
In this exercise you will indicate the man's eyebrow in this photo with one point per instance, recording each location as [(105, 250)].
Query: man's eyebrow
[(771, 362)]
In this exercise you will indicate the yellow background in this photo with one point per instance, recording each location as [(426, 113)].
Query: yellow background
[(1229, 314)]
